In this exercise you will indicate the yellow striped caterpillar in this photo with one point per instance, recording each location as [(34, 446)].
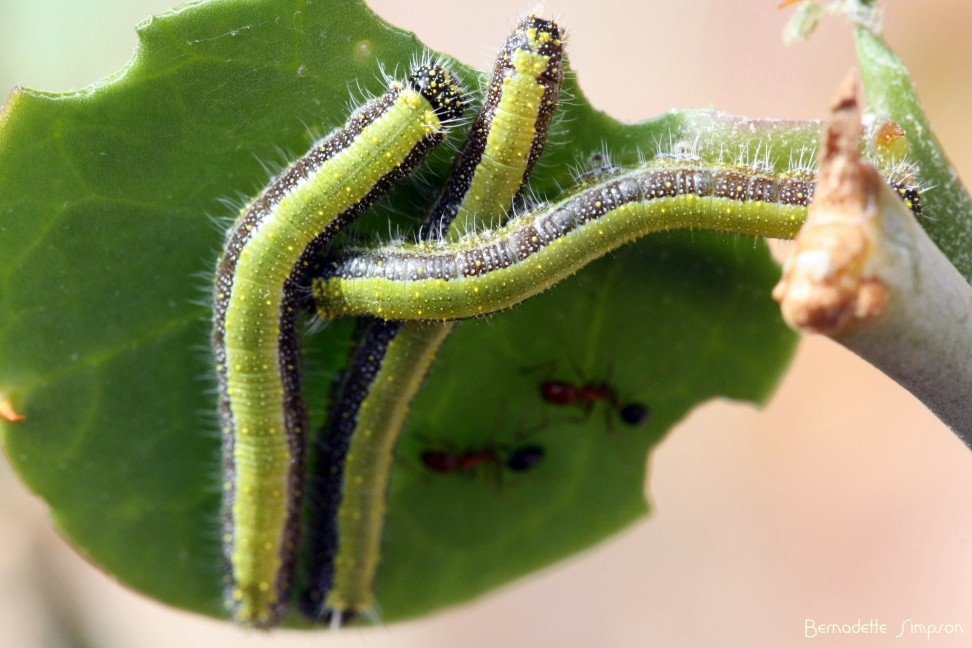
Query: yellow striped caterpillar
[(370, 401), (260, 278), (490, 271)]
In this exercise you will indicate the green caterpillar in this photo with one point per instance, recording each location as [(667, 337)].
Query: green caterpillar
[(260, 279), (369, 403), (490, 271)]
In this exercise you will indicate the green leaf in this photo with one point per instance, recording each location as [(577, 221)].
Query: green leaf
[(107, 246), (891, 97)]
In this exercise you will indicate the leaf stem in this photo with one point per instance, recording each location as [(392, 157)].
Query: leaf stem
[(866, 274)]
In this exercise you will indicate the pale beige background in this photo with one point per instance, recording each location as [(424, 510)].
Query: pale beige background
[(843, 499)]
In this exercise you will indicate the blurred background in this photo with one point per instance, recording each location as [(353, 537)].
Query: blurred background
[(842, 500)]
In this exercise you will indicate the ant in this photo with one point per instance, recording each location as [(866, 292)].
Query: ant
[(520, 459), (561, 392)]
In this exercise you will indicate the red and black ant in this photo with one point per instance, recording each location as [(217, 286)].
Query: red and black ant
[(520, 459), (561, 392)]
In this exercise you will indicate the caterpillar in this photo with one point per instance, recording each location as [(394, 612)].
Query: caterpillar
[(260, 280), (490, 271), (349, 478), (369, 402), (508, 135)]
